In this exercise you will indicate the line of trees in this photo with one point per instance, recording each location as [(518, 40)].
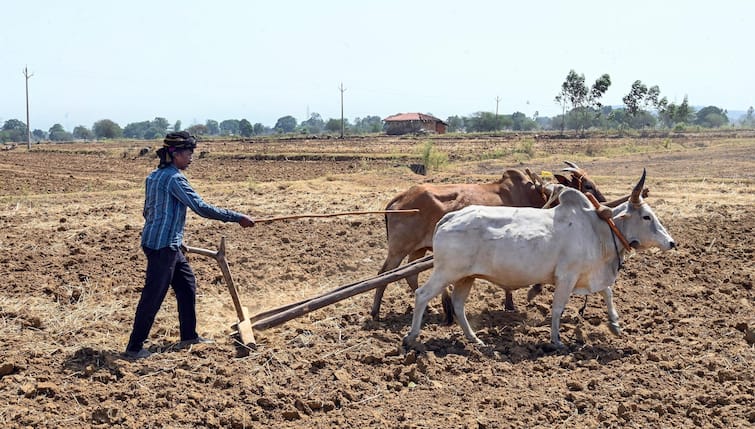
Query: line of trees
[(581, 109)]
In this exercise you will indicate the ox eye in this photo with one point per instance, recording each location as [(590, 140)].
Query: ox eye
[(646, 217)]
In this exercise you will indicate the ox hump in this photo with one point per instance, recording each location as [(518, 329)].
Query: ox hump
[(571, 198)]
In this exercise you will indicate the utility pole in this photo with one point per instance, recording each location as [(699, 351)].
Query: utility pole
[(497, 100), (28, 127), (342, 89)]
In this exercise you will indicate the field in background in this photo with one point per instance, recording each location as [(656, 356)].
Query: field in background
[(72, 270)]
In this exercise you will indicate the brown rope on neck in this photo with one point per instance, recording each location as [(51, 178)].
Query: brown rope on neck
[(611, 224)]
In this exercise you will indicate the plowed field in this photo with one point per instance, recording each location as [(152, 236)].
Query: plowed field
[(72, 271)]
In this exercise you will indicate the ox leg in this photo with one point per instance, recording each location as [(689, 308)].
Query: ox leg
[(561, 295), (448, 308), (423, 295), (534, 291), (413, 280), (390, 263), (508, 304), (613, 315), (458, 298)]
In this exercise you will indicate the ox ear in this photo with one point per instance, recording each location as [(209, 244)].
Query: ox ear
[(562, 179)]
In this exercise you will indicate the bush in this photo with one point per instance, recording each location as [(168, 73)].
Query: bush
[(431, 158)]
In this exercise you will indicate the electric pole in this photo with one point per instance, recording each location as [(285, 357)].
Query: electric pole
[(497, 100), (342, 89), (28, 127)]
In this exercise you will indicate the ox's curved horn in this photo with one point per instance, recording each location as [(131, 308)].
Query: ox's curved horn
[(577, 172), (574, 169), (636, 197), (536, 179)]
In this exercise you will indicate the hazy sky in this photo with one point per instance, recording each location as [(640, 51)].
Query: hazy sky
[(261, 60)]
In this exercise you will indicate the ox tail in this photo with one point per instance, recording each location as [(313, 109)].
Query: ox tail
[(389, 206), (448, 308)]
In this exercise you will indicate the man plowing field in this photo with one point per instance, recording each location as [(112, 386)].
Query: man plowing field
[(168, 194)]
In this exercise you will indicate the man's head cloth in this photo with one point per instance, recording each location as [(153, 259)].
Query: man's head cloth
[(179, 140)]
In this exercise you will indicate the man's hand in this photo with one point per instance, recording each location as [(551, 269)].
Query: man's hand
[(246, 221)]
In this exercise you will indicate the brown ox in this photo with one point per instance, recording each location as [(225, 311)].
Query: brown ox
[(412, 235)]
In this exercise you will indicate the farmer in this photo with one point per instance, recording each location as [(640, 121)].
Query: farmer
[(168, 193)]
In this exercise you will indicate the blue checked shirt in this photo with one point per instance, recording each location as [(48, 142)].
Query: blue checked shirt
[(168, 193)]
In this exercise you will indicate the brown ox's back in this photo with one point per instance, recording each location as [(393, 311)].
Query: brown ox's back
[(413, 235)]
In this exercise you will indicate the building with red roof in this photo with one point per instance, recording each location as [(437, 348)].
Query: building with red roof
[(414, 123)]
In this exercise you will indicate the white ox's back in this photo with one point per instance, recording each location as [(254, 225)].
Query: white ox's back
[(515, 247)]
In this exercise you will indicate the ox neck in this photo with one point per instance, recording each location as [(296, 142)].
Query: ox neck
[(616, 234)]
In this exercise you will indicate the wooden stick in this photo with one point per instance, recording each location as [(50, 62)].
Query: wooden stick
[(266, 314), (244, 325), (274, 219), (291, 312)]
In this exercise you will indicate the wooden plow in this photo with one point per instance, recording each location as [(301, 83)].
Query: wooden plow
[(246, 325)]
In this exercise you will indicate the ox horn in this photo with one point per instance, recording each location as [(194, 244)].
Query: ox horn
[(573, 168), (536, 179), (636, 197)]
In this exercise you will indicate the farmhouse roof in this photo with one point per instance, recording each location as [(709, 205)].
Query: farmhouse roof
[(402, 117)]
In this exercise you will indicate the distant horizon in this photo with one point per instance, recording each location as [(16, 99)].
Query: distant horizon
[(732, 119)]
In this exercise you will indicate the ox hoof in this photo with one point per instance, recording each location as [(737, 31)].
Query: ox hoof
[(410, 343), (615, 328), (555, 345), (534, 291)]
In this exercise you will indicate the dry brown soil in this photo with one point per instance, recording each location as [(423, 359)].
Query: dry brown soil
[(72, 272)]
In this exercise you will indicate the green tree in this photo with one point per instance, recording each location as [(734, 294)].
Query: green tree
[(177, 126), (58, 134), (160, 125), (83, 133), (639, 99), (334, 125), (684, 113), (154, 132), (455, 124), (197, 130), (583, 100), (229, 127), (213, 128), (106, 129), (711, 117), (368, 124), (14, 131), (260, 129), (245, 128), (749, 119), (520, 122), (313, 125), (487, 122), (136, 130), (285, 124), (38, 134)]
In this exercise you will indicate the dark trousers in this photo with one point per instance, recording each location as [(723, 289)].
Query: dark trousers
[(165, 267)]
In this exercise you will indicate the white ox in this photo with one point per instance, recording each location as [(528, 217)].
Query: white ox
[(568, 246)]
